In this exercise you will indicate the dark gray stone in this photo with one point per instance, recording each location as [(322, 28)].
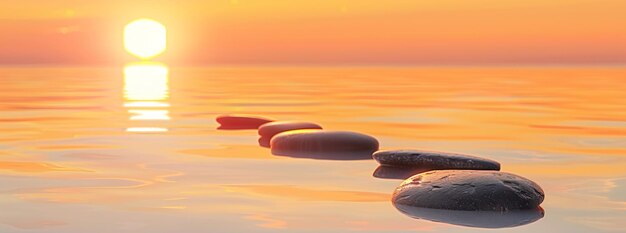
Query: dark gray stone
[(469, 190), (434, 160), (321, 144), (479, 219), (270, 129), (240, 121)]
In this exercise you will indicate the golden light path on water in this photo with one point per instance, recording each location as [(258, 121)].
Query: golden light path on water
[(146, 91)]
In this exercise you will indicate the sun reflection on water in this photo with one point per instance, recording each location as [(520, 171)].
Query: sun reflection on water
[(146, 91), (146, 82)]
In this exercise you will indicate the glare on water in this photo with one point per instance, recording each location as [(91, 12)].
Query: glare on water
[(146, 90)]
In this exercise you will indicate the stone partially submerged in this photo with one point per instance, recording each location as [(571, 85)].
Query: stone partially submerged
[(241, 121), (469, 190), (321, 144), (270, 129), (433, 160)]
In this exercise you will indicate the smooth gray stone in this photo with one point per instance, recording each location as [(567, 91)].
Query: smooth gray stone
[(479, 219), (269, 130), (240, 121), (321, 144), (469, 190), (434, 160)]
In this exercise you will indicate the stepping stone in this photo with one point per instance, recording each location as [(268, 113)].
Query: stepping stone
[(321, 144), (469, 190), (240, 121), (270, 129), (434, 160)]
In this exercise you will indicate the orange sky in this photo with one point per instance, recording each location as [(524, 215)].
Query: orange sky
[(333, 32)]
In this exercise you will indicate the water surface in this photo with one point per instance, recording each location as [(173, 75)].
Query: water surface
[(137, 150)]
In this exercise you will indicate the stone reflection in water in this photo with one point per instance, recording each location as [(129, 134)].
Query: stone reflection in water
[(146, 91), (400, 173), (326, 156), (264, 142), (478, 219)]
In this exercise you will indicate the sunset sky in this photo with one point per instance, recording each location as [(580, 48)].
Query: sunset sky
[(326, 32)]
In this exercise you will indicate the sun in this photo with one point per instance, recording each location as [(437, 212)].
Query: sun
[(145, 38)]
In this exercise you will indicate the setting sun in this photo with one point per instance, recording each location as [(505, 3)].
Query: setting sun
[(145, 38)]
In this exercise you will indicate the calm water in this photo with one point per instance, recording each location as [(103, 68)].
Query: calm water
[(136, 149)]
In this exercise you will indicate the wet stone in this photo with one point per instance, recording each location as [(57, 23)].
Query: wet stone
[(240, 121), (321, 144), (469, 190), (270, 129), (434, 160)]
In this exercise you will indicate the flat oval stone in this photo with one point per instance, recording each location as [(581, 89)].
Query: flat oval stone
[(434, 160), (479, 219), (321, 144), (241, 121), (270, 129), (469, 190)]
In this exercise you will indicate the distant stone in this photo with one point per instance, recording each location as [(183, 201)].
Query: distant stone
[(479, 219), (270, 129), (434, 160), (469, 190), (320, 144), (240, 121)]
